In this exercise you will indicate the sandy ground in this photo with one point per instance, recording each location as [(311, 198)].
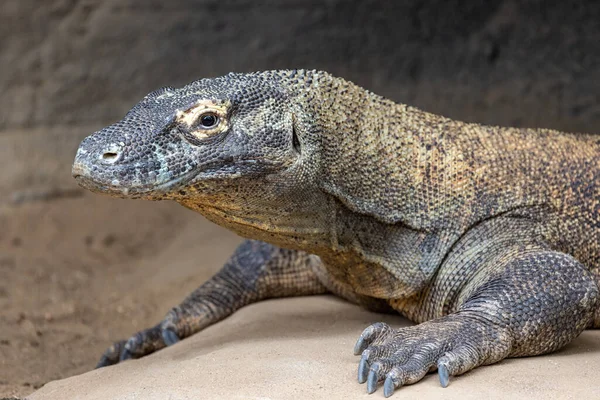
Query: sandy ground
[(78, 271), (66, 292), (302, 349)]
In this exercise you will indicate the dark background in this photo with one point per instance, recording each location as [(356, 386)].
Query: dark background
[(78, 271), (499, 62)]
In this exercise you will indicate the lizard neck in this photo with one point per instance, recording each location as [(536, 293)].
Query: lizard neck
[(383, 159), (286, 217)]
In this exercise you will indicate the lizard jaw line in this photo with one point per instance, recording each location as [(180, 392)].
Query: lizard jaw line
[(84, 180), (83, 177)]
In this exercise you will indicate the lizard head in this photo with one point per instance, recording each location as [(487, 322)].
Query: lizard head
[(237, 148), (233, 127)]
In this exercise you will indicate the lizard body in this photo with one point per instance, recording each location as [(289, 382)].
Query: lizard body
[(487, 236)]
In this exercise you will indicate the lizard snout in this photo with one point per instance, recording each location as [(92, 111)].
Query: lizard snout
[(103, 155)]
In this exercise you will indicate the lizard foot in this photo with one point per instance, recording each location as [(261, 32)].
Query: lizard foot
[(453, 345), (142, 343)]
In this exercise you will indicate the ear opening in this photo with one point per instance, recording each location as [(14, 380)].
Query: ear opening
[(295, 140)]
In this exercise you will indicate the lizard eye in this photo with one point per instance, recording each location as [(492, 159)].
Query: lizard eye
[(203, 120), (208, 120)]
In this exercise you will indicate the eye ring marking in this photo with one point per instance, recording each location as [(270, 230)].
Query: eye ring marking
[(203, 120)]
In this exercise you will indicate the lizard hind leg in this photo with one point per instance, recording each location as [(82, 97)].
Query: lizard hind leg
[(527, 303)]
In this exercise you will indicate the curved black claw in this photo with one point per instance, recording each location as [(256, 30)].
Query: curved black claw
[(388, 387), (363, 370), (169, 337), (372, 382), (444, 375), (360, 346), (371, 333)]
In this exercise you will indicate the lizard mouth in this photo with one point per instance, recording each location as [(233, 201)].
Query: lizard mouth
[(157, 189), (115, 188)]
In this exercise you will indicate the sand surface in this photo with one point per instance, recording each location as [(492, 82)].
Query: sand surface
[(301, 349)]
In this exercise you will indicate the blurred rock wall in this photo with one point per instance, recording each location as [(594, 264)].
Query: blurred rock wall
[(81, 62)]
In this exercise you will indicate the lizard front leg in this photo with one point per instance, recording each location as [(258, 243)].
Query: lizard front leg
[(256, 271), (521, 301)]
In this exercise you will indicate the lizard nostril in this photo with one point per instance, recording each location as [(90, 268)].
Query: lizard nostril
[(110, 157)]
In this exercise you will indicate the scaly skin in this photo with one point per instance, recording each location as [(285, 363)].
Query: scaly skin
[(486, 236)]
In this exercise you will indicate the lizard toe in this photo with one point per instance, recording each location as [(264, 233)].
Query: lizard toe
[(111, 355), (377, 373), (395, 367), (371, 359), (456, 362), (139, 345), (169, 336), (363, 369), (405, 374), (175, 326), (443, 374), (373, 332), (125, 355), (144, 343)]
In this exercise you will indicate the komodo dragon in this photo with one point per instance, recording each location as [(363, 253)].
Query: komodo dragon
[(487, 237)]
